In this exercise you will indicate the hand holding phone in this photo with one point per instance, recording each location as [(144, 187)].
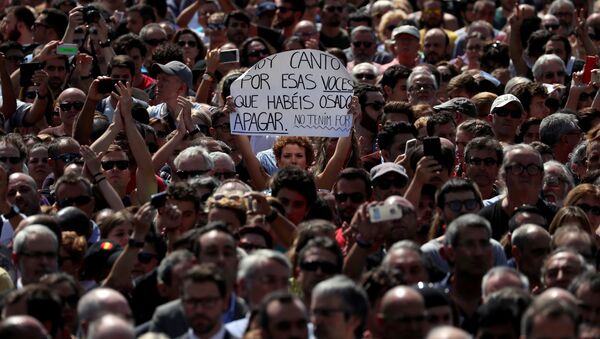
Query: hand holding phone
[(381, 213), (27, 70), (591, 62), (229, 56)]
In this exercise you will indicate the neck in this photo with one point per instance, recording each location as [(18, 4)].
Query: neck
[(466, 286), (330, 31), (486, 191), (518, 199), (26, 38), (209, 334)]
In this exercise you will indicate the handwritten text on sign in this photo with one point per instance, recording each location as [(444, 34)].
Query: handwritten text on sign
[(303, 93)]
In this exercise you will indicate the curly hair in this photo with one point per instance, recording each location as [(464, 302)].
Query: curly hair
[(303, 142)]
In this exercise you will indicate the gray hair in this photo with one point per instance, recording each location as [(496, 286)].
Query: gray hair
[(364, 29), (556, 125), (563, 169), (215, 156), (517, 147), (20, 240), (249, 264), (194, 152), (520, 236), (147, 28), (513, 82), (584, 266), (577, 156), (414, 74), (403, 245), (353, 297), (554, 7), (503, 270), (164, 272), (542, 61), (462, 223), (95, 303)]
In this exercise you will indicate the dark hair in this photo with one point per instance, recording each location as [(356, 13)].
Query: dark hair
[(122, 61), (526, 91), (237, 15), (393, 74), (361, 91), (360, 16), (206, 273), (326, 244), (497, 312), (524, 127), (257, 230), (166, 53), (197, 233), (398, 107), (283, 297), (476, 128), (536, 42), (438, 119), (127, 42), (485, 143), (446, 159), (297, 180), (183, 192), (45, 306), (159, 5), (57, 20), (145, 11), (15, 140), (560, 38), (22, 14), (199, 43), (353, 173), (386, 137)]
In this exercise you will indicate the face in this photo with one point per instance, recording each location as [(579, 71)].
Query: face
[(387, 185), (165, 86), (59, 163), (38, 258), (134, 22), (439, 316), (398, 146), (219, 248), (10, 156), (552, 73), (594, 204), (309, 278), (329, 319), (531, 175), (189, 215), (121, 73), (189, 45), (21, 191), (349, 195), (485, 13), (57, 72), (75, 194), (69, 297), (432, 14), (287, 321), (70, 104), (555, 186), (147, 261), (225, 215), (115, 166), (237, 31), (138, 59), (434, 47), (447, 131), (532, 134), (565, 17), (553, 328), (270, 276), (557, 48), (404, 318), (373, 108), (561, 269), (410, 264), (459, 203), (363, 46), (121, 233), (296, 206), (8, 27), (153, 38), (473, 252), (364, 74), (292, 155), (474, 48), (592, 156), (333, 12), (203, 307), (531, 257), (285, 16), (14, 58), (256, 52), (422, 90), (38, 164), (406, 48), (398, 93)]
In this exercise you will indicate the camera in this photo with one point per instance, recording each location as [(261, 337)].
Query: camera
[(91, 15)]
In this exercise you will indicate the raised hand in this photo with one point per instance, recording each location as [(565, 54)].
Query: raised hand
[(92, 161)]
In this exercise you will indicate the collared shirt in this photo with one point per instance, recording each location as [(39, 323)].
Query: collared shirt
[(218, 335), (229, 315)]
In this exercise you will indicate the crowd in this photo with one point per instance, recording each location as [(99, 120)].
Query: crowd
[(464, 203)]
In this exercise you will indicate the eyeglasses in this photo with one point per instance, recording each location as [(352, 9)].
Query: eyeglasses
[(225, 126), (365, 44), (595, 210), (505, 112), (355, 197), (488, 162), (551, 27), (75, 201), (154, 42), (325, 266), (332, 9), (110, 164), (190, 43), (249, 247), (69, 157), (531, 169), (12, 160), (377, 105), (457, 205), (145, 257), (258, 53), (39, 255), (224, 175), (365, 76), (421, 87), (216, 27), (66, 106), (35, 161), (386, 184), (549, 75), (208, 302), (184, 175)]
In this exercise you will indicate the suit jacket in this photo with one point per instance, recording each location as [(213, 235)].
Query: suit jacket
[(170, 320)]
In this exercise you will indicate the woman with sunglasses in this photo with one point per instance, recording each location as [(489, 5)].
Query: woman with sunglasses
[(253, 50), (37, 163), (587, 197), (193, 48)]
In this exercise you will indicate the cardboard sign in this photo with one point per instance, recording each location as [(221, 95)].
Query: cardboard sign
[(298, 93)]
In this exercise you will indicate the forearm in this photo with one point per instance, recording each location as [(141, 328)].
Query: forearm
[(203, 92), (9, 99), (162, 155), (84, 123), (119, 277), (145, 182), (413, 193), (284, 229), (572, 100), (355, 261), (69, 34), (108, 192), (187, 14), (336, 164), (36, 112), (516, 52), (257, 175), (101, 144), (588, 45)]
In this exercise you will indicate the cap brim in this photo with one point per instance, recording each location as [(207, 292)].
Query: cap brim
[(158, 68)]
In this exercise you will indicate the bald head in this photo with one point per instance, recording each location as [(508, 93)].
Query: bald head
[(556, 293), (99, 302), (448, 332), (402, 295), (403, 302), (22, 327), (111, 327), (69, 92)]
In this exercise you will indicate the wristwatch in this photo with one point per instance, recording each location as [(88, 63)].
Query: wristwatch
[(105, 43), (14, 211), (208, 77), (134, 243)]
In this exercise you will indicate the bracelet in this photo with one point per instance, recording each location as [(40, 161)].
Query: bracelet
[(105, 43), (97, 181), (272, 216), (97, 174)]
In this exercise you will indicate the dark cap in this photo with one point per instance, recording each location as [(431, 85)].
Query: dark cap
[(177, 68), (462, 105), (265, 7)]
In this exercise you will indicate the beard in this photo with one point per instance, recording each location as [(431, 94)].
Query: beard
[(369, 123), (283, 23)]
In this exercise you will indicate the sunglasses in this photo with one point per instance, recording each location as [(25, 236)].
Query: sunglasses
[(145, 257), (504, 112), (377, 105), (154, 42), (69, 157), (110, 164), (486, 161), (12, 160), (75, 201), (456, 205), (216, 27), (387, 184), (184, 175), (332, 9), (551, 27), (66, 106), (325, 266), (595, 210), (365, 76), (365, 44), (355, 197), (190, 43), (258, 53)]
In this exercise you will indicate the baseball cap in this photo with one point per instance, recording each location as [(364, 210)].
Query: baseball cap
[(504, 100), (388, 167), (406, 29), (265, 7), (460, 104), (97, 255), (177, 68)]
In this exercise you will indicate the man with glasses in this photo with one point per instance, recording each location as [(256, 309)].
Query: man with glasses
[(61, 152), (287, 15), (549, 69), (363, 48), (371, 103), (522, 171), (388, 179), (402, 314), (366, 73), (73, 190), (70, 103), (152, 35), (422, 88), (352, 188), (483, 157), (35, 253), (392, 137), (50, 25), (12, 153), (506, 114), (321, 258), (332, 21), (192, 162)]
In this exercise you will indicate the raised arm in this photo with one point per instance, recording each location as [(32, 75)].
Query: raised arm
[(92, 163), (101, 144), (282, 227), (577, 87), (37, 110), (9, 98), (187, 14), (206, 85), (515, 49), (75, 19), (426, 168)]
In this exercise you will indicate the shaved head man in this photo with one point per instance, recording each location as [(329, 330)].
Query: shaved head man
[(435, 46), (22, 191), (402, 314), (111, 327), (22, 326), (99, 302)]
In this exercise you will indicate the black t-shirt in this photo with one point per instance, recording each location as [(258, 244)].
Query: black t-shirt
[(496, 215)]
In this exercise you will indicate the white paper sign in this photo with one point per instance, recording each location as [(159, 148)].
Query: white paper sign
[(299, 93)]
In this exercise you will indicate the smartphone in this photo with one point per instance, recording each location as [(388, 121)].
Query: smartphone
[(380, 213), (591, 62), (106, 85), (27, 71), (410, 146), (596, 76), (229, 56), (158, 200), (432, 147), (67, 49)]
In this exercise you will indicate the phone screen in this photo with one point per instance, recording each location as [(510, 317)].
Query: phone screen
[(230, 55), (27, 71)]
